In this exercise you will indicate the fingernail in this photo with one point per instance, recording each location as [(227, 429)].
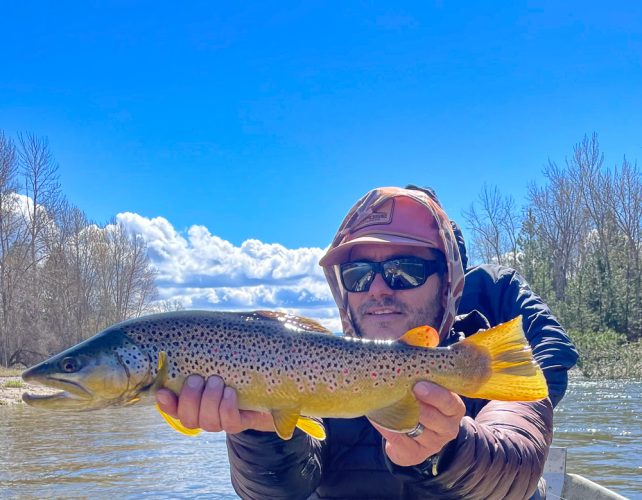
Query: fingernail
[(227, 393), (214, 382), (163, 398), (194, 382), (422, 389)]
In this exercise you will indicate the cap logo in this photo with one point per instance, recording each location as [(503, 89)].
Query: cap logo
[(380, 217)]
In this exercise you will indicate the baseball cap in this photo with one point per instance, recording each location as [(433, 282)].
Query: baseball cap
[(399, 219)]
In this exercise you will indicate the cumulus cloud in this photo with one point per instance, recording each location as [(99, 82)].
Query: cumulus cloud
[(200, 270)]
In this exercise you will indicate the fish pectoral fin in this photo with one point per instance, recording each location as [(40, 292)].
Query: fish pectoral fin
[(422, 336), (175, 424), (285, 421), (311, 427), (401, 416), (162, 372)]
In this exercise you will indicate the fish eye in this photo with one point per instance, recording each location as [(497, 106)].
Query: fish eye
[(69, 365)]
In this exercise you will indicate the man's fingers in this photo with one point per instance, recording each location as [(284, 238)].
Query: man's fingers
[(446, 402), (189, 401), (209, 417), (229, 410)]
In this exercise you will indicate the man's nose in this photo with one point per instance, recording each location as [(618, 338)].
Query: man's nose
[(379, 286)]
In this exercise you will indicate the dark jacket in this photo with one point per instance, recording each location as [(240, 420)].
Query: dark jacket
[(499, 453)]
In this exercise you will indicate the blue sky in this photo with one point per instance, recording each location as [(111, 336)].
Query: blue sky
[(267, 120)]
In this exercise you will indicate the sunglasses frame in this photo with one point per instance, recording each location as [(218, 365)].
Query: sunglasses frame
[(430, 267)]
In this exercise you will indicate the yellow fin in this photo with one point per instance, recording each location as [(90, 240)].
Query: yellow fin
[(401, 416), (311, 427), (284, 422), (422, 336), (161, 372), (175, 424), (513, 373)]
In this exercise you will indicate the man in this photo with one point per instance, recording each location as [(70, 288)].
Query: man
[(393, 265)]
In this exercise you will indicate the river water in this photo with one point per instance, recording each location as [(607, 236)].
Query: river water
[(130, 452)]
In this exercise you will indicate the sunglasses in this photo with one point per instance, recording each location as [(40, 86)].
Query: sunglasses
[(399, 273)]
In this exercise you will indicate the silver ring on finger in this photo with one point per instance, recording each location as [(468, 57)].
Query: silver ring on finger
[(416, 432)]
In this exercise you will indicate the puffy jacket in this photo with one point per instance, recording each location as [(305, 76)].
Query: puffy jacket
[(499, 452)]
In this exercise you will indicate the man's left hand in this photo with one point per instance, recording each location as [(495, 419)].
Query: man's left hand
[(441, 412)]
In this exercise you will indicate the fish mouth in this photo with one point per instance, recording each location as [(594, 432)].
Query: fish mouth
[(71, 393)]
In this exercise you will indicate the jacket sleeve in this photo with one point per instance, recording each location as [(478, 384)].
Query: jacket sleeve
[(262, 465), (501, 294), (498, 454)]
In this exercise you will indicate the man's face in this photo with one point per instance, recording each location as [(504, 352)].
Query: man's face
[(385, 314)]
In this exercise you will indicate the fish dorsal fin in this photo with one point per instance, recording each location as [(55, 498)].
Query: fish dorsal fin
[(401, 416), (175, 424), (311, 427), (297, 322), (422, 336), (285, 421)]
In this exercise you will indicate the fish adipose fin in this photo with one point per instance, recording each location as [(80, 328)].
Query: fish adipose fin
[(401, 416), (513, 373), (422, 336)]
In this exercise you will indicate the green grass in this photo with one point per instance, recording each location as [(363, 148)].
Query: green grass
[(14, 384), (607, 355)]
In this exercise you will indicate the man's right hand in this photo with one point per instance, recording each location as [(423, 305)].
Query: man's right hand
[(212, 407)]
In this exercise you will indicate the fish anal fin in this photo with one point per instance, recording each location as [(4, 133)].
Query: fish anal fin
[(311, 427), (285, 421), (175, 424), (422, 336), (401, 416)]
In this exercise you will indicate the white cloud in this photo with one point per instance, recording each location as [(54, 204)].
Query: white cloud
[(203, 271)]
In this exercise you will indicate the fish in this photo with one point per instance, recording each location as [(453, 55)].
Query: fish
[(289, 366)]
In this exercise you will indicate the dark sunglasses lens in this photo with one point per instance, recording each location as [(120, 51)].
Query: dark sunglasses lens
[(357, 276), (401, 274)]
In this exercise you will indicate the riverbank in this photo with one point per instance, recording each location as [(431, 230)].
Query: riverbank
[(12, 387)]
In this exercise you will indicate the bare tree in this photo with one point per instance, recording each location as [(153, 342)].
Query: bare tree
[(125, 276), (626, 201), (10, 233), (495, 223), (558, 209)]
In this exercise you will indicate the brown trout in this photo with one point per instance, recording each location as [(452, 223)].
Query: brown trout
[(289, 366)]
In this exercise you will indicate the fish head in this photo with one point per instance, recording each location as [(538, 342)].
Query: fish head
[(108, 369)]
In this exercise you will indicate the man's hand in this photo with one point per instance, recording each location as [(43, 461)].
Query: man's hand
[(212, 407), (441, 412)]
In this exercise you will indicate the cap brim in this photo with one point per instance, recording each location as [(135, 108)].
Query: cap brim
[(341, 253)]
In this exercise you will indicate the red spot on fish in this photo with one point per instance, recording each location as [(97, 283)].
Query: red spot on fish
[(373, 374)]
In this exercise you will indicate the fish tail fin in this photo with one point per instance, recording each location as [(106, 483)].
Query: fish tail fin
[(513, 373)]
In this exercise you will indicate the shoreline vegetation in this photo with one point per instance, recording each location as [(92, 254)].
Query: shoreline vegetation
[(607, 355)]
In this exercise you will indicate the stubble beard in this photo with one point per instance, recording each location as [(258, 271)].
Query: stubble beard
[(428, 315)]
